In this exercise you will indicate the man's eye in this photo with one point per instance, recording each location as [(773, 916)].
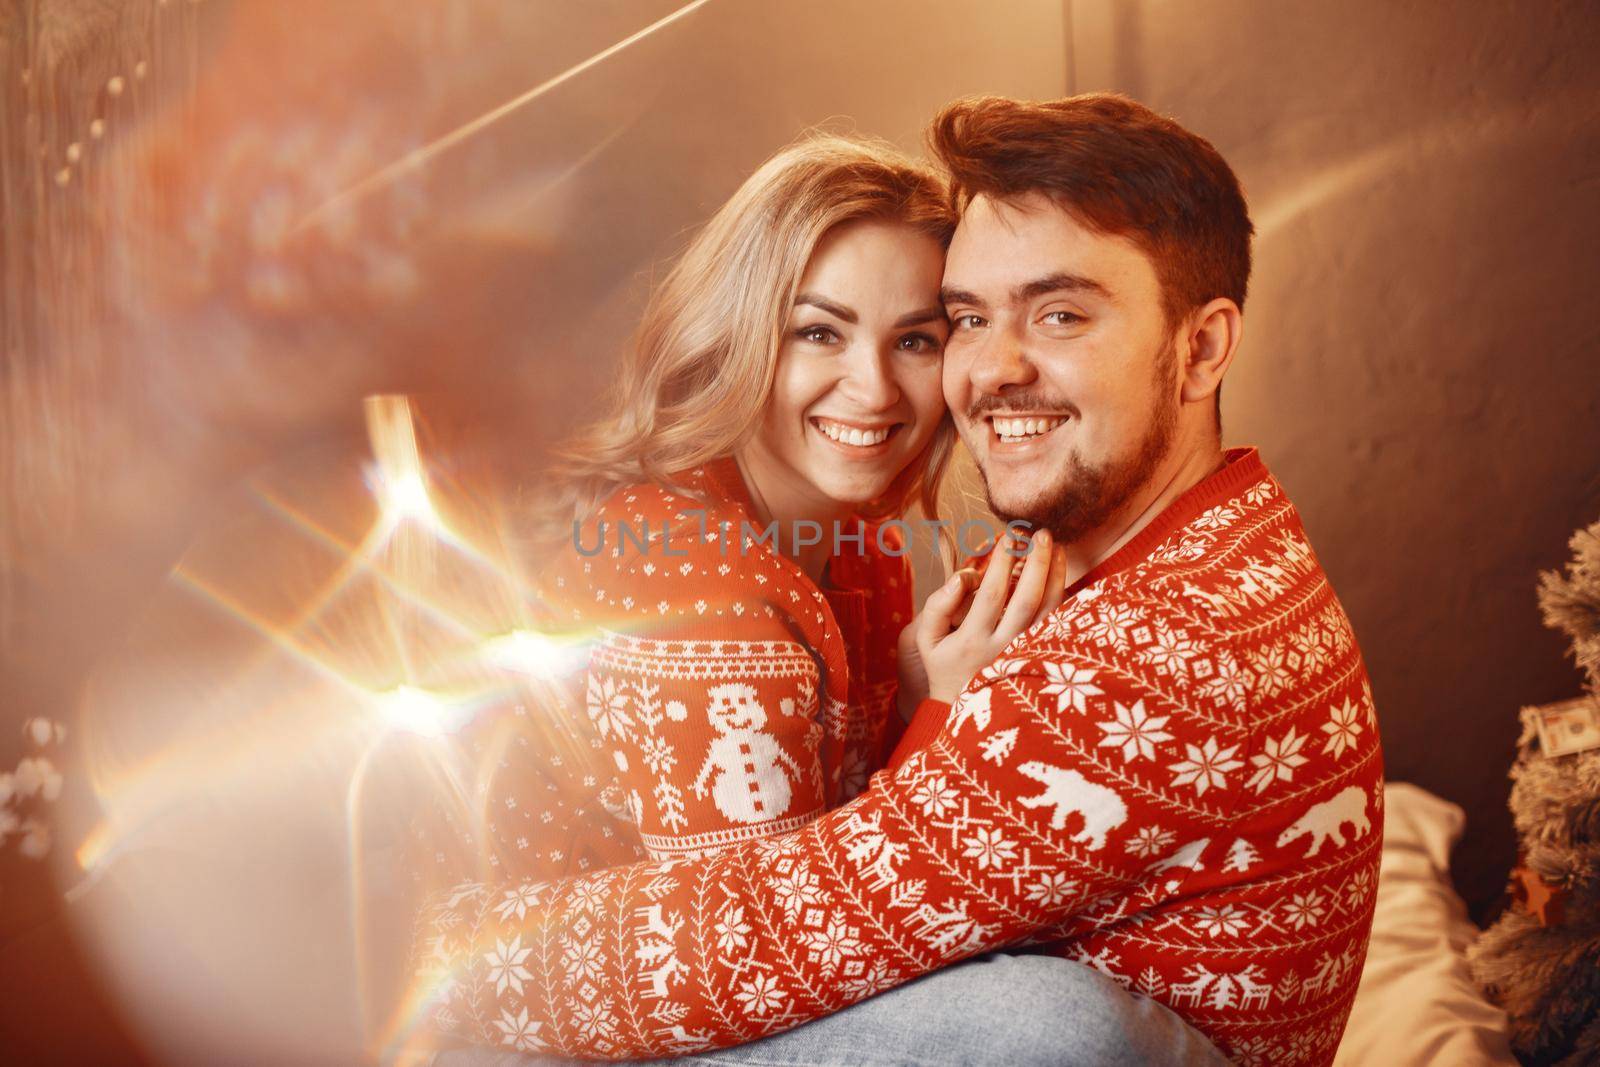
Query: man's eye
[(1063, 318), (817, 335), (967, 322), (919, 342)]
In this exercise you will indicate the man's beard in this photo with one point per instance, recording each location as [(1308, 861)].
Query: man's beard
[(1084, 498)]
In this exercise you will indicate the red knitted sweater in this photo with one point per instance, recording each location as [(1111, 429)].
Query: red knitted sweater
[(726, 697), (1175, 779)]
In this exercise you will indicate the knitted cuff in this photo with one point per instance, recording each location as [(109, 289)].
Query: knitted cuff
[(925, 725)]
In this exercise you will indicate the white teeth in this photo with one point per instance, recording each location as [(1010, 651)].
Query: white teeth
[(851, 436), (1016, 429)]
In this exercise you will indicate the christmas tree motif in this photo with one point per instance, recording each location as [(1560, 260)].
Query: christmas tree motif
[(669, 802), (997, 747), (1150, 983), (1241, 856)]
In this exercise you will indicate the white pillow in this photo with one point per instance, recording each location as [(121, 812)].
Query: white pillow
[(1416, 1003)]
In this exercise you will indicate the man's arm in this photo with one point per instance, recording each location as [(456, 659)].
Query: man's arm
[(1017, 817)]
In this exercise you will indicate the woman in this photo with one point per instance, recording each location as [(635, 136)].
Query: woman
[(717, 540)]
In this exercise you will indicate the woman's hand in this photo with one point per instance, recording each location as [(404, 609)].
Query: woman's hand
[(942, 649)]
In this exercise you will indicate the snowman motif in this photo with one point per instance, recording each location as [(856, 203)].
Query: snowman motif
[(749, 785)]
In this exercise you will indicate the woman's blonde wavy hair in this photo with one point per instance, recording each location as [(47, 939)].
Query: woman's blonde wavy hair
[(696, 381)]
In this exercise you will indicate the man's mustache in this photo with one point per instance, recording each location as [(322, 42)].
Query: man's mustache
[(1022, 403)]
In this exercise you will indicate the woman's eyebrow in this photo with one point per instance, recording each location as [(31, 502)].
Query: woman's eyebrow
[(836, 310)]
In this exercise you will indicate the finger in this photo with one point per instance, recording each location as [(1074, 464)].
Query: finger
[(1055, 584), (1029, 594), (935, 620), (970, 579), (991, 595)]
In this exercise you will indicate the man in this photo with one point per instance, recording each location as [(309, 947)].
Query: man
[(1173, 780)]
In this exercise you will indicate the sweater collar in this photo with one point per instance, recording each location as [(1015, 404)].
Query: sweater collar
[(723, 477), (1241, 467)]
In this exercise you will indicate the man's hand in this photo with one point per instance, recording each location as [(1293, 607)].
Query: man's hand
[(956, 634)]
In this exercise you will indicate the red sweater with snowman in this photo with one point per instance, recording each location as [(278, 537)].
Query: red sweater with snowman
[(1175, 779), (723, 696)]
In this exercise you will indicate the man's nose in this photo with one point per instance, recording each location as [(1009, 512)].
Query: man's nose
[(999, 362)]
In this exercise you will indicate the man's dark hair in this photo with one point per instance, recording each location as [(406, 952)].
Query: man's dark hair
[(1120, 169)]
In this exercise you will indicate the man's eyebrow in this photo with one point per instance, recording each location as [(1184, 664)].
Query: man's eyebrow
[(917, 318), (1060, 282), (838, 311)]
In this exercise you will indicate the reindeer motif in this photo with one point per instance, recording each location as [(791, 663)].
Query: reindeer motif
[(863, 837), (1100, 961), (1260, 582), (949, 929), (1190, 992), (1256, 994), (658, 938), (1217, 603), (681, 1040), (1325, 976), (882, 866)]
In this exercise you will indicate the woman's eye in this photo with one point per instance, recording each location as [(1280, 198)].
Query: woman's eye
[(817, 335), (967, 322), (919, 342)]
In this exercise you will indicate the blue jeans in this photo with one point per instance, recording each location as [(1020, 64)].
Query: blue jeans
[(1004, 1007)]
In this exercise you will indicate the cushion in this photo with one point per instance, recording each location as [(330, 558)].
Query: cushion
[(1416, 1003)]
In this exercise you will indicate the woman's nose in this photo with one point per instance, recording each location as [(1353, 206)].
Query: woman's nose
[(869, 378)]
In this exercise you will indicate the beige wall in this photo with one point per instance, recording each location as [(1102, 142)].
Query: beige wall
[(1421, 364)]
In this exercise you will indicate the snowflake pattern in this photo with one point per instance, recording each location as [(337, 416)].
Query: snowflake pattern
[(1277, 760), (1051, 889), (517, 901), (731, 930), (1343, 728), (1150, 840), (608, 706), (506, 968), (1206, 767), (1224, 920), (1134, 731), (1071, 686), (1304, 909), (834, 943), (989, 848), (519, 1032), (760, 995), (934, 796)]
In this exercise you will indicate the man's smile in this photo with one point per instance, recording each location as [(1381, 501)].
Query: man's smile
[(1013, 434)]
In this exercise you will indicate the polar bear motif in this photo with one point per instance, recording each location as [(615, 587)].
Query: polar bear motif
[(745, 765), (1322, 821), (1068, 791)]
